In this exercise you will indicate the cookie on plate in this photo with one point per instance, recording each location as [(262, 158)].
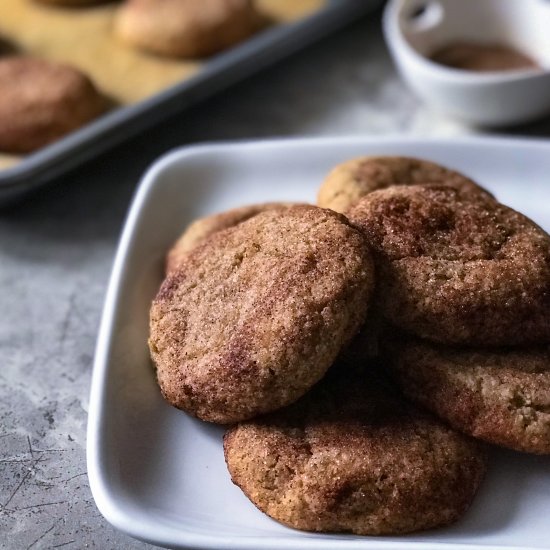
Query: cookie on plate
[(202, 228), (457, 267), (254, 316), (500, 396), (349, 181), (41, 101), (186, 28), (351, 456)]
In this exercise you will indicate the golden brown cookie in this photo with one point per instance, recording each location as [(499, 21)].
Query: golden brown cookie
[(186, 28), (351, 456), (457, 267), (202, 228), (41, 101), (254, 316), (349, 181), (500, 396)]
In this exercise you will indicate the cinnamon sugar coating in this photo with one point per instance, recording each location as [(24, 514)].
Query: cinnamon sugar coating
[(201, 229), (255, 315), (457, 267), (349, 181), (351, 456), (41, 101), (500, 396)]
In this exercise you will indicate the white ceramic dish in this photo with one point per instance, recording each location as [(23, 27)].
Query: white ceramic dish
[(415, 29), (158, 474)]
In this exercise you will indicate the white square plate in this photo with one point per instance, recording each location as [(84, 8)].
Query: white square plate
[(160, 475)]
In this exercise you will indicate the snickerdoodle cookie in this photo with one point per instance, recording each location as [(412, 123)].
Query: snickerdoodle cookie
[(500, 396), (352, 456), (202, 228), (255, 315), (41, 101), (349, 181), (186, 28), (457, 267)]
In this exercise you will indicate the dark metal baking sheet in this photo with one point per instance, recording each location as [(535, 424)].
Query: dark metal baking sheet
[(220, 72)]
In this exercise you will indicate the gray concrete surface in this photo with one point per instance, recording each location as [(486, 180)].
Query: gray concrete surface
[(56, 250)]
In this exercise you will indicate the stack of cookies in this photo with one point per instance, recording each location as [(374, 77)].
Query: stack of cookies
[(261, 305), (467, 281)]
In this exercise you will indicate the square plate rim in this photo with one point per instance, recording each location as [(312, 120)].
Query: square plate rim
[(105, 500)]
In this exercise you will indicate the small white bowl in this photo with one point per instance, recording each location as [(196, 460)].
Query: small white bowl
[(415, 29)]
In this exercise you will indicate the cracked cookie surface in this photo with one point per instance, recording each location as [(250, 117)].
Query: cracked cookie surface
[(351, 456), (457, 267), (349, 181), (500, 396), (254, 316)]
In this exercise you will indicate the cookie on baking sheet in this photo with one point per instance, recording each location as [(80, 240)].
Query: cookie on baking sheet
[(500, 396), (457, 267), (41, 101), (186, 28), (255, 316), (347, 182), (351, 456), (202, 228)]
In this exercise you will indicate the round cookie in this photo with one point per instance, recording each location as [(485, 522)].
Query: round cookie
[(255, 315), (500, 396), (202, 228), (457, 268), (351, 456), (186, 28), (41, 101), (349, 181)]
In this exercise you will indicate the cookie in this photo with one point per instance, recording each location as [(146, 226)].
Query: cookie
[(457, 267), (202, 228), (351, 456), (186, 28), (500, 396), (41, 101), (349, 181), (255, 315)]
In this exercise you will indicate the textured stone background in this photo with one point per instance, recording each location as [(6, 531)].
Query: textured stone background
[(56, 250)]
